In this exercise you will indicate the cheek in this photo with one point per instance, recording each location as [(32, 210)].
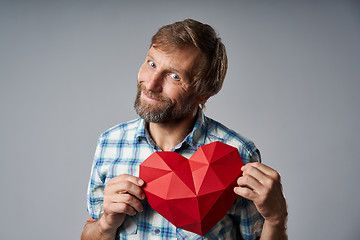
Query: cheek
[(176, 94)]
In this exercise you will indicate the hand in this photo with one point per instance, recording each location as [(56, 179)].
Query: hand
[(121, 198), (261, 184)]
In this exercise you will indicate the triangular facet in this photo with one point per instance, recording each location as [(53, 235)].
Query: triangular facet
[(193, 227), (160, 186), (172, 159), (228, 167), (149, 174), (199, 177), (207, 201), (155, 160), (185, 210), (161, 206), (211, 183), (178, 188), (183, 171), (217, 150)]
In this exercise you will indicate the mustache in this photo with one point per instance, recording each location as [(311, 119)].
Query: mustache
[(157, 96)]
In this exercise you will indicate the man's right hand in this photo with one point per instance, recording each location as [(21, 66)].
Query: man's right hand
[(122, 195)]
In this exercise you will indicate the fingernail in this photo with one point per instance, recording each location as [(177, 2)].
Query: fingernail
[(140, 182), (242, 168)]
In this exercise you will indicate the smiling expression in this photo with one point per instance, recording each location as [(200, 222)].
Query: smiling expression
[(164, 91)]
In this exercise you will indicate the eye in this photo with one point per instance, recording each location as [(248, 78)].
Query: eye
[(175, 76), (152, 64)]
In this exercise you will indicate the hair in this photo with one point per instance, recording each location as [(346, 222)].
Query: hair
[(209, 75)]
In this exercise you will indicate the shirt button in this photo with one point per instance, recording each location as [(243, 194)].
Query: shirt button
[(157, 231)]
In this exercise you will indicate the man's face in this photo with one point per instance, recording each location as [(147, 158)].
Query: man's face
[(164, 85)]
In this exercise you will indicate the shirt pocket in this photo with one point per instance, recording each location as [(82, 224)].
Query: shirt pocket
[(129, 226)]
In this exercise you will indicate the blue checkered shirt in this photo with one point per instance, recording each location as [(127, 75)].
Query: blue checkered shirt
[(124, 147)]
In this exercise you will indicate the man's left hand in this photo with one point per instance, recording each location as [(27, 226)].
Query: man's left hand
[(261, 184)]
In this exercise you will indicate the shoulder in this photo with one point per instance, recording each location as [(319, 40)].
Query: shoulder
[(127, 130), (217, 131)]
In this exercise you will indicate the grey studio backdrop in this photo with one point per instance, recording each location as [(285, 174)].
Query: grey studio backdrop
[(68, 71)]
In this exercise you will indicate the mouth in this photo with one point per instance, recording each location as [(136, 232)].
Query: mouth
[(150, 97)]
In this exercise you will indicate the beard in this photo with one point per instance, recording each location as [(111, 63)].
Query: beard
[(166, 111)]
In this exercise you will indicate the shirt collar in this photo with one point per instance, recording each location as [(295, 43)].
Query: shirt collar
[(195, 138), (141, 129)]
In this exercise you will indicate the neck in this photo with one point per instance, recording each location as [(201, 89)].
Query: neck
[(169, 134)]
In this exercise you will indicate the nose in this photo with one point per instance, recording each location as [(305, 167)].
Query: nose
[(154, 82)]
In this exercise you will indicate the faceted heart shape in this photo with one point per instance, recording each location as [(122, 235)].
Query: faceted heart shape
[(193, 194)]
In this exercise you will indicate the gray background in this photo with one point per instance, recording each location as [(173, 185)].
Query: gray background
[(68, 71)]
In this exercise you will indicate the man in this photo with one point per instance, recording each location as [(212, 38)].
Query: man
[(185, 65)]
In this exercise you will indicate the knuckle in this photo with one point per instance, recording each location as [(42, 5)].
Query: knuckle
[(107, 190), (122, 207), (126, 185), (126, 198), (110, 181), (107, 199), (123, 176), (138, 191), (107, 208), (277, 177), (270, 183), (239, 180), (137, 205), (256, 164), (249, 170), (253, 169)]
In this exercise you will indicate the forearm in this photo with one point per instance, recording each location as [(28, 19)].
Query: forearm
[(274, 232), (94, 230)]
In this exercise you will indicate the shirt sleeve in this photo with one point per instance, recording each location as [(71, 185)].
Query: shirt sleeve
[(95, 192), (247, 217)]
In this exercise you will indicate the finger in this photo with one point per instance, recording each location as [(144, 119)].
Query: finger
[(129, 200), (125, 184), (126, 177), (263, 168), (255, 173), (268, 182), (250, 182), (122, 208), (129, 187), (246, 193)]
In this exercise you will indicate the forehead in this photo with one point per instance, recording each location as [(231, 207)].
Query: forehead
[(183, 60)]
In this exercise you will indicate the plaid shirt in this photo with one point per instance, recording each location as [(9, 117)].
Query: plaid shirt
[(124, 147)]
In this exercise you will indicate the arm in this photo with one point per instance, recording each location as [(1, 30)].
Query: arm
[(93, 230), (121, 198), (261, 184)]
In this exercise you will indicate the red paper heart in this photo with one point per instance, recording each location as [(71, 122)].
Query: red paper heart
[(193, 194)]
